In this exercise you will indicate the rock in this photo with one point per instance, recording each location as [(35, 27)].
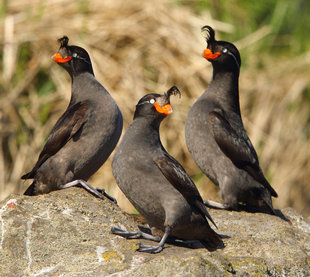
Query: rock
[(67, 233)]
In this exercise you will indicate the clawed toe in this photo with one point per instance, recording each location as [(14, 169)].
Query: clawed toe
[(150, 249), (125, 234), (99, 192), (116, 231), (136, 235), (215, 205), (102, 191)]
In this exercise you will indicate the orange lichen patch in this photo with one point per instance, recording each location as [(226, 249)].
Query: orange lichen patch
[(167, 109), (207, 53), (11, 205), (59, 59)]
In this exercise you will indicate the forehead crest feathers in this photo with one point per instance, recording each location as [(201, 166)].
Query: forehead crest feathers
[(63, 41), (208, 33), (173, 91)]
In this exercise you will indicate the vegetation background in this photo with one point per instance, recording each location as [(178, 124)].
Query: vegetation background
[(142, 46)]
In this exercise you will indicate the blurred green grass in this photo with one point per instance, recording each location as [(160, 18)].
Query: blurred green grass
[(288, 21)]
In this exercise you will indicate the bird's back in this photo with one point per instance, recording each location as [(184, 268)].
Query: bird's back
[(82, 155)]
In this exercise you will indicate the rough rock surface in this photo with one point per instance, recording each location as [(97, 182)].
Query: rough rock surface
[(67, 233)]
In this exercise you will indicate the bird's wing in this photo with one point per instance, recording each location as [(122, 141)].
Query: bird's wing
[(178, 177), (237, 147), (65, 128)]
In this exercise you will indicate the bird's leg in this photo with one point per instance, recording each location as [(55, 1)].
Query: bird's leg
[(156, 249), (133, 235), (141, 235), (216, 205), (100, 193)]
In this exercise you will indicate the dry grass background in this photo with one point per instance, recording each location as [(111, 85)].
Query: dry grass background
[(139, 47)]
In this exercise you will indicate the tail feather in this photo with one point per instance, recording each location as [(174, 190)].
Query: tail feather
[(30, 190), (269, 205), (28, 175), (270, 188), (267, 202), (212, 240)]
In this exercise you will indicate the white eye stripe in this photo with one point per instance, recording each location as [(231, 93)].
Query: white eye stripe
[(152, 101), (75, 55), (231, 54), (225, 50)]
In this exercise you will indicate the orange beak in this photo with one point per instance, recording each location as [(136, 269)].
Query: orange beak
[(59, 59), (167, 109), (207, 53)]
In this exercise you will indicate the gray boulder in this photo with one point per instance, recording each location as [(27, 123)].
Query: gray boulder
[(67, 233)]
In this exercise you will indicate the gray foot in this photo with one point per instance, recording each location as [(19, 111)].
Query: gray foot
[(100, 193), (137, 235), (216, 205), (133, 235), (150, 249)]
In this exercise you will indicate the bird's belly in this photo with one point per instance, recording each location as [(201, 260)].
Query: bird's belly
[(204, 151), (145, 199), (150, 192)]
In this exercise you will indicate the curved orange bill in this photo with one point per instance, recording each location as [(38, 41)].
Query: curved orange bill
[(167, 109), (59, 59), (207, 53)]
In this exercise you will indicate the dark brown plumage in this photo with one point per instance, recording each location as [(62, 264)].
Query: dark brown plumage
[(216, 138), (156, 184), (84, 136)]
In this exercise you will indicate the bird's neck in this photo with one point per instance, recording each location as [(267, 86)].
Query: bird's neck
[(224, 87), (147, 131), (82, 85)]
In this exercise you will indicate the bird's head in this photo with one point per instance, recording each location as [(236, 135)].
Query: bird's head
[(220, 53), (156, 106), (74, 59)]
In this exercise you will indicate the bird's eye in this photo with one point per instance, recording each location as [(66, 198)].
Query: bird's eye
[(74, 55), (225, 50), (152, 101)]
